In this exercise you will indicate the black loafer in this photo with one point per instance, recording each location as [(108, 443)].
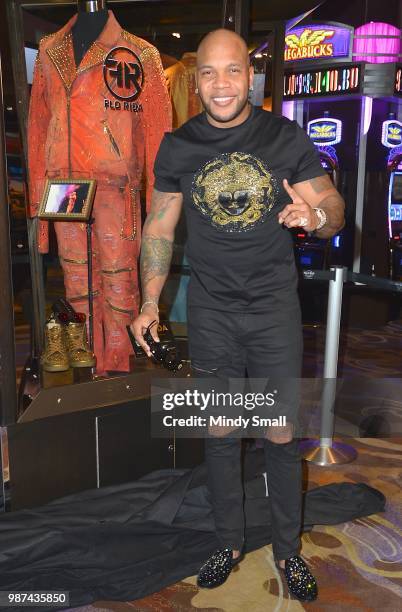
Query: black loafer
[(216, 570), (301, 582)]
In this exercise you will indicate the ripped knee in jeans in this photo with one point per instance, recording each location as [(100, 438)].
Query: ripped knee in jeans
[(280, 435)]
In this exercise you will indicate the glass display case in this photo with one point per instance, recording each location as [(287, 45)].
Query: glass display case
[(98, 413)]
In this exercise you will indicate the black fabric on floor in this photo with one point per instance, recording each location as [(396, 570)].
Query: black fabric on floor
[(127, 541)]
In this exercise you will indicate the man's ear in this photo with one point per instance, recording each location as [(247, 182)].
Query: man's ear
[(251, 76)]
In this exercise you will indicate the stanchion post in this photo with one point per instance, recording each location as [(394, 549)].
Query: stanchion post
[(333, 329), (325, 451)]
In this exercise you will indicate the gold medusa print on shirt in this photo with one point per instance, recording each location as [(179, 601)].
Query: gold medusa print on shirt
[(234, 191)]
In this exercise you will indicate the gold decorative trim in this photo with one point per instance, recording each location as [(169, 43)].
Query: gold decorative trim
[(63, 59), (94, 56), (117, 271), (75, 261), (151, 54), (129, 312), (62, 56), (47, 37), (133, 212), (138, 42), (76, 298)]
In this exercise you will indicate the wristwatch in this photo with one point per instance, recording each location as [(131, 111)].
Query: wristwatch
[(322, 218)]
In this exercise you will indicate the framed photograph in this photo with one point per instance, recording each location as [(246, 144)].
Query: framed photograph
[(67, 199)]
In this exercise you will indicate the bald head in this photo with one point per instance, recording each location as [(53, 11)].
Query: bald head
[(217, 39), (224, 76)]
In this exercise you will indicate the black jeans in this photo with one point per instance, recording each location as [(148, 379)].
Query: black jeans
[(263, 345)]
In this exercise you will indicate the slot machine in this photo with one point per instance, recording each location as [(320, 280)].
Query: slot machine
[(395, 212)]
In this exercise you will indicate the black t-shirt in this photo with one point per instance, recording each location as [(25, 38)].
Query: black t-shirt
[(241, 258)]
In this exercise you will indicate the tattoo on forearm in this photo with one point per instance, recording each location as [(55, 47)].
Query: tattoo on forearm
[(156, 255), (321, 183), (160, 204)]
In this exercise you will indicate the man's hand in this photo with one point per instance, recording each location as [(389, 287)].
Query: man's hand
[(299, 213), (140, 324), (318, 192)]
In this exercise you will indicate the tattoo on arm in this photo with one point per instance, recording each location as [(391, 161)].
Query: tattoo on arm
[(321, 183), (159, 205), (156, 255), (157, 242)]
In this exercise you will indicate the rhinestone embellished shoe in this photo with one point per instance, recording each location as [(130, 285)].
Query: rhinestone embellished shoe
[(79, 353), (216, 570), (54, 357), (301, 582)]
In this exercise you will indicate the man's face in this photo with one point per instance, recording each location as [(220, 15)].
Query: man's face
[(223, 79)]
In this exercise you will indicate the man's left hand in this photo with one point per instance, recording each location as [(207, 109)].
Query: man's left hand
[(299, 213)]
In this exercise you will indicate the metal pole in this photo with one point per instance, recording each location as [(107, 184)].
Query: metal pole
[(299, 108), (8, 383), (361, 176), (325, 451), (90, 293)]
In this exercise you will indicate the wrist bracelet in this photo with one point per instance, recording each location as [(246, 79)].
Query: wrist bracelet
[(150, 302), (322, 218)]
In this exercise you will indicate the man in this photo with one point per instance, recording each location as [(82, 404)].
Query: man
[(68, 203), (232, 167)]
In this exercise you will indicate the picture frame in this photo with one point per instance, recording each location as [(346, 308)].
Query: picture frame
[(67, 199)]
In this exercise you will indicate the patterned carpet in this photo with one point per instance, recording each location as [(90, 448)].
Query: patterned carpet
[(358, 564)]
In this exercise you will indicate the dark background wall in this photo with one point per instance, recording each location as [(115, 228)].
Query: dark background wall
[(156, 20)]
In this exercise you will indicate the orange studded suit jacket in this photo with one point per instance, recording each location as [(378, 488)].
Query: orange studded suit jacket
[(103, 119)]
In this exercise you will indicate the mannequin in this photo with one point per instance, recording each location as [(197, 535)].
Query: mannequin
[(91, 19)]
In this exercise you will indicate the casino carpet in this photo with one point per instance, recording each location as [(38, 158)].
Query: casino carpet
[(358, 564)]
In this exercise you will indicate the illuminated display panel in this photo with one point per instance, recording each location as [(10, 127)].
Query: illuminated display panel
[(391, 134), (325, 131), (318, 41), (394, 199), (396, 192), (395, 212), (333, 81), (398, 81)]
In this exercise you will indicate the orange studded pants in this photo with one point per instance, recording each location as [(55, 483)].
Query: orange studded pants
[(115, 276)]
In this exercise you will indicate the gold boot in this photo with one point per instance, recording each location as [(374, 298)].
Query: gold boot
[(79, 353), (54, 358)]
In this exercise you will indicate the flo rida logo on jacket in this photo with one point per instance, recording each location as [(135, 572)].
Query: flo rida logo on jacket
[(124, 77)]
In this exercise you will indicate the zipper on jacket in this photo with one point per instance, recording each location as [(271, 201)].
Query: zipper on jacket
[(114, 144), (69, 133)]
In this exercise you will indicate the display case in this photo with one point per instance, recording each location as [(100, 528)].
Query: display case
[(79, 417), (69, 418)]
